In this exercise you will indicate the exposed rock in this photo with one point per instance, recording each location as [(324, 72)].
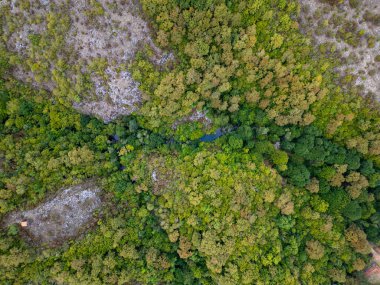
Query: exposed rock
[(372, 274), (345, 31), (123, 93), (195, 116), (110, 32), (61, 218), (376, 255)]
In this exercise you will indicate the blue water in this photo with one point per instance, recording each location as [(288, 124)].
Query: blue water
[(211, 137), (114, 138)]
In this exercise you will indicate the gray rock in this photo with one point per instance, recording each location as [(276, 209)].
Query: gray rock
[(61, 218)]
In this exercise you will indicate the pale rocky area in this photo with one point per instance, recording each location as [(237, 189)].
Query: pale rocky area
[(63, 217), (194, 116), (119, 96), (322, 21), (114, 35), (373, 271)]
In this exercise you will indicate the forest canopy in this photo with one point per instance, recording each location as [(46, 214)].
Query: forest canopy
[(243, 160)]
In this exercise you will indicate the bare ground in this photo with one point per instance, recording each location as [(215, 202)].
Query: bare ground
[(323, 21), (113, 31), (65, 216), (373, 271)]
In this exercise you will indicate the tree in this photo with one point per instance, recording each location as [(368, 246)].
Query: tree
[(80, 155), (352, 211), (298, 174), (357, 239), (235, 142), (315, 249), (280, 159), (337, 199)]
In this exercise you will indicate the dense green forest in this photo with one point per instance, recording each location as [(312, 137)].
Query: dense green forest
[(289, 193)]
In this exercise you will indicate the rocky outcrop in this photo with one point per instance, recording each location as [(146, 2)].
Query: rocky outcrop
[(80, 51), (373, 272), (349, 33), (65, 216)]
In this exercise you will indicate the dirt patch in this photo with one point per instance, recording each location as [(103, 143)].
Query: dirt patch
[(81, 49), (67, 215), (350, 32)]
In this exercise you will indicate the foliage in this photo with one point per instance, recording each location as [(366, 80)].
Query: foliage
[(288, 194), (220, 206)]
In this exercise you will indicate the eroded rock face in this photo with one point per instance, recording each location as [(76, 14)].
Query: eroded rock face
[(64, 217)]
